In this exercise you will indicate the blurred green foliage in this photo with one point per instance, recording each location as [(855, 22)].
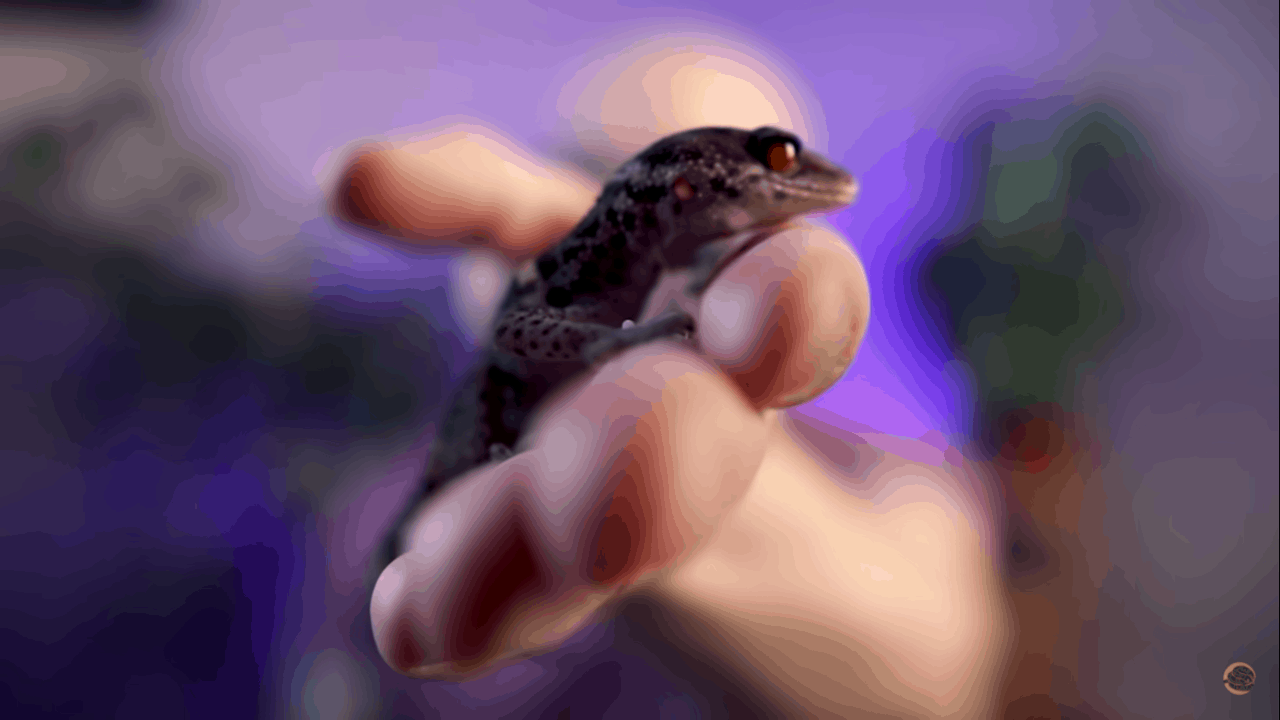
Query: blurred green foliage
[(1031, 301)]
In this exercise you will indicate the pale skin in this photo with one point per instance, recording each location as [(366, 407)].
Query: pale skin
[(834, 574)]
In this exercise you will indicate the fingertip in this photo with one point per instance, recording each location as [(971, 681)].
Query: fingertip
[(786, 318), (505, 199), (360, 194), (395, 627), (386, 592)]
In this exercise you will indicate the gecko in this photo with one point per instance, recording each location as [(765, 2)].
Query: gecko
[(692, 200)]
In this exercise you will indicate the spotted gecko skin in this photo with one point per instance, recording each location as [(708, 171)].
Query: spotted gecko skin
[(690, 200)]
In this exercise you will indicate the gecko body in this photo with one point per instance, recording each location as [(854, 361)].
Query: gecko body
[(690, 200)]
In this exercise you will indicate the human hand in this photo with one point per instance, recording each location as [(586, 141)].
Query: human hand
[(632, 467), (667, 475)]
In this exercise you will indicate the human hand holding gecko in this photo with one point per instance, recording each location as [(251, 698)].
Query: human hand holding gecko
[(667, 474)]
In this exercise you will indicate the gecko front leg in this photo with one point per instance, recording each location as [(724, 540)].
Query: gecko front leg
[(670, 325), (570, 334)]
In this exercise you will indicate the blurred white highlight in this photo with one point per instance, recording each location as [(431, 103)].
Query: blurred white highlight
[(476, 281)]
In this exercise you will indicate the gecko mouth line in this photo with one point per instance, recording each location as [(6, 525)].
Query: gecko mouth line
[(843, 195)]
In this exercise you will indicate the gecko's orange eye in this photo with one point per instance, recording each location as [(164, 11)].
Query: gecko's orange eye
[(780, 156), (775, 149)]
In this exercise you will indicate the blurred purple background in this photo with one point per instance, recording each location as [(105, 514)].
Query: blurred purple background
[(215, 397)]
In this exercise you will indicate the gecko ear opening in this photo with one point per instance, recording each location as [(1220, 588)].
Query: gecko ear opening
[(684, 191)]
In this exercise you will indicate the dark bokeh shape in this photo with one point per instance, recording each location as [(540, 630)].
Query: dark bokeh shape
[(198, 649), (1031, 560), (41, 206), (175, 381), (33, 162), (398, 705), (972, 284), (135, 614), (590, 696), (179, 344), (1045, 277), (84, 11), (1045, 300)]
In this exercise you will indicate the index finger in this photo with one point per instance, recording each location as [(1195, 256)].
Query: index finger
[(465, 187)]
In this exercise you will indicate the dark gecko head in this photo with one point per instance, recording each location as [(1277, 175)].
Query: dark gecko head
[(712, 182), (687, 190)]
